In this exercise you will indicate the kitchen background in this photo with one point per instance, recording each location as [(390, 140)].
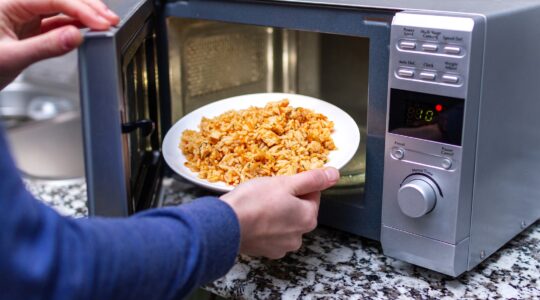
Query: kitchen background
[(41, 112)]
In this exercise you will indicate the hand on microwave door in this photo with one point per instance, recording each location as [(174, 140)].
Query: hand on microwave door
[(32, 30), (274, 212)]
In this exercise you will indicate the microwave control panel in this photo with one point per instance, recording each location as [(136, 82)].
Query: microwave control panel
[(430, 53), (428, 75)]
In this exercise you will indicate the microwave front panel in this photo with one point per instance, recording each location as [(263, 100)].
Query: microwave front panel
[(428, 101)]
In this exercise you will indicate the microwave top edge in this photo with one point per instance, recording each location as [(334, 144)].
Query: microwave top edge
[(482, 7), (125, 8)]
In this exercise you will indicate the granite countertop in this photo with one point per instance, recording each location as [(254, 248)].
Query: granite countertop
[(337, 265)]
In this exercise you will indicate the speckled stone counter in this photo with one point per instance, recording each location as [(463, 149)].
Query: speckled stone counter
[(67, 197), (337, 265)]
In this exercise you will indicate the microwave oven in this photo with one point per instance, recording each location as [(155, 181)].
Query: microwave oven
[(445, 94)]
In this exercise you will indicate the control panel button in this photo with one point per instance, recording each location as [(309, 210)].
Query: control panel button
[(407, 45), (452, 49), (406, 73), (398, 153), (446, 163), (430, 47), (428, 75), (417, 197), (450, 78)]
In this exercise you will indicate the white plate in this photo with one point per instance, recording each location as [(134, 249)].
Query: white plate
[(346, 134)]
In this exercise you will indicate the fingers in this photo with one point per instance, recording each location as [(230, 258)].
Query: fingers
[(278, 248), (289, 244), (314, 197), (53, 43), (309, 212), (57, 22), (100, 7), (312, 181), (91, 13)]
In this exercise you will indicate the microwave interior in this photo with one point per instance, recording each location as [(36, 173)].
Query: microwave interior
[(209, 61)]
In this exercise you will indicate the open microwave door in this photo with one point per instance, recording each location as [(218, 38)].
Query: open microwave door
[(121, 111)]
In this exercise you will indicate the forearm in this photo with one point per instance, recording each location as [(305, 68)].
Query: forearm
[(156, 255), (159, 254)]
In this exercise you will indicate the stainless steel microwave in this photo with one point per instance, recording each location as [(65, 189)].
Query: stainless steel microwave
[(446, 94)]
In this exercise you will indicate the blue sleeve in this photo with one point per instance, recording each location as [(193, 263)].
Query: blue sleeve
[(158, 254)]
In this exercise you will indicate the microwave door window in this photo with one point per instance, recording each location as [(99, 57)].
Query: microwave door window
[(131, 112), (136, 113), (139, 119)]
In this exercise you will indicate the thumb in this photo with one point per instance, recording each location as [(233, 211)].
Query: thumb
[(46, 45), (312, 181)]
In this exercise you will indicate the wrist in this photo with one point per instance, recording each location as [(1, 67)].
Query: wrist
[(242, 215)]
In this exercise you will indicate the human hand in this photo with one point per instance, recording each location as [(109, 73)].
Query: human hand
[(274, 212), (32, 30)]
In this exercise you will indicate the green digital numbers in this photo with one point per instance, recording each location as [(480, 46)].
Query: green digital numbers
[(429, 116), (419, 114)]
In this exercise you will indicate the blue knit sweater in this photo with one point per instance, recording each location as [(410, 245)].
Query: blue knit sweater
[(157, 254)]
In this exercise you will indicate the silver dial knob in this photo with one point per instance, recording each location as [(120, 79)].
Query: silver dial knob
[(417, 197)]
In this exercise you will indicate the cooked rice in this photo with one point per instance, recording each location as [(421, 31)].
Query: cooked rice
[(275, 140)]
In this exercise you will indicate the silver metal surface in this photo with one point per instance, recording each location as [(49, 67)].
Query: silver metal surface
[(417, 196), (443, 226), (450, 259), (407, 45), (102, 97), (43, 91), (507, 162), (428, 75), (450, 78), (430, 47), (446, 163), (50, 149), (436, 30), (41, 110), (483, 202), (485, 7), (452, 49), (398, 153), (211, 61), (406, 72)]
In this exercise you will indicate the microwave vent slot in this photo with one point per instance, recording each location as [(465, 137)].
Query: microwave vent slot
[(223, 61), (209, 61)]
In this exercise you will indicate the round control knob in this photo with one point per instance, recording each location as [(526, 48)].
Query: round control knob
[(417, 197)]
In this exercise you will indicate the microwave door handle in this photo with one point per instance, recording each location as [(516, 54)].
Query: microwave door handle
[(146, 126)]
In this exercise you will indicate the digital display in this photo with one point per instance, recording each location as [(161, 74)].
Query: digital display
[(427, 116), (421, 114)]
